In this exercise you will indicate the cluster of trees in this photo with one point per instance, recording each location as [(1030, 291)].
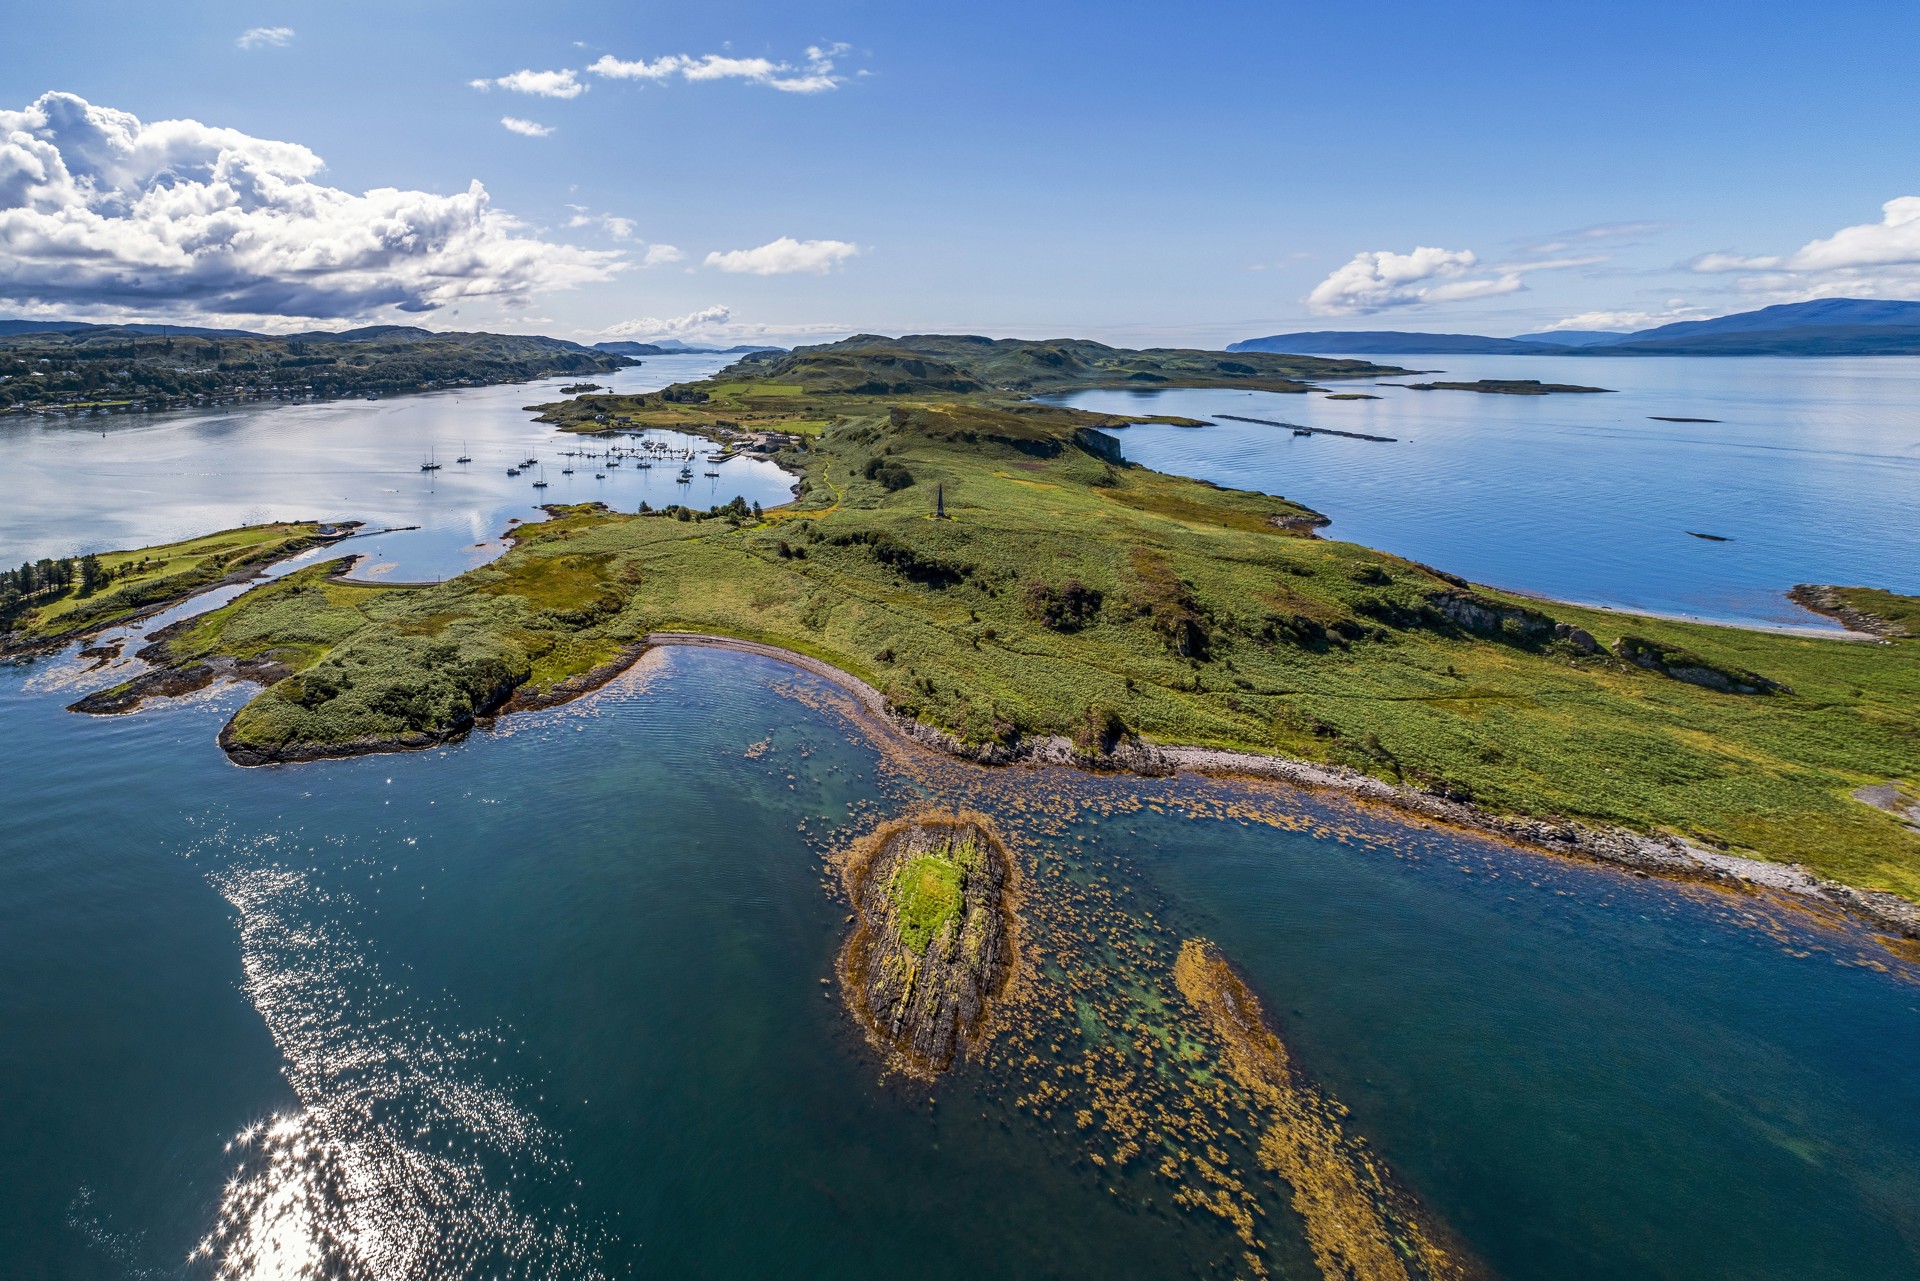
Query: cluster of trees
[(49, 577), (889, 473), (737, 511)]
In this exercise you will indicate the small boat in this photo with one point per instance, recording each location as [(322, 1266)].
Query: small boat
[(1302, 431), (566, 471), (712, 473), (513, 471), (599, 475), (684, 479)]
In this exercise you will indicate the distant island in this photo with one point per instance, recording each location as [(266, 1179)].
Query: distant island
[(137, 368), (1502, 387), (674, 347), (1825, 327)]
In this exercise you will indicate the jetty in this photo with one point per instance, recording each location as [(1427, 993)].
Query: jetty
[(1299, 430)]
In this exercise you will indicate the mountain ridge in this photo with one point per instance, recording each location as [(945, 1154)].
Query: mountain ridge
[(1821, 327)]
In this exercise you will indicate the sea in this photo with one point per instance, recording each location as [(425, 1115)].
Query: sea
[(557, 1000)]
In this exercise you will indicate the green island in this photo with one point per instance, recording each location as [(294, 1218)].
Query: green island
[(1011, 587), (935, 942)]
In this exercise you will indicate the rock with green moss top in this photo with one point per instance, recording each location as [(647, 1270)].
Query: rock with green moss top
[(934, 939)]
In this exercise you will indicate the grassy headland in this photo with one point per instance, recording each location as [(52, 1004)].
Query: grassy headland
[(45, 602), (1071, 594)]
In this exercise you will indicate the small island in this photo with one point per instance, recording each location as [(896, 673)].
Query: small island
[(935, 940), (1503, 387)]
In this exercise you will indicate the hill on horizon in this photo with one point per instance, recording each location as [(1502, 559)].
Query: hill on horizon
[(1822, 327)]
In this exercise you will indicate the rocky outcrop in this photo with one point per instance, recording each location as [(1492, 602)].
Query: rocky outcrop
[(1684, 665), (1849, 606), (935, 940)]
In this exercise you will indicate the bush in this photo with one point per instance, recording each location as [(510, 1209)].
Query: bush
[(1066, 608)]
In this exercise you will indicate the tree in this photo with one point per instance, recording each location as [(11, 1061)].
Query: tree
[(93, 575)]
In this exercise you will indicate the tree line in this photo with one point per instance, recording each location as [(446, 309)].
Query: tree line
[(49, 577)]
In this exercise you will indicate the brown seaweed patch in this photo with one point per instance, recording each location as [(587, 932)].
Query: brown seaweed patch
[(1360, 1225), (936, 941)]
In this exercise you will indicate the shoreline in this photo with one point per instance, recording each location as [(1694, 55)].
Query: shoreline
[(26, 651), (1668, 858)]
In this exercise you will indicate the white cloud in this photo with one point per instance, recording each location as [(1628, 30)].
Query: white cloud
[(265, 37), (101, 209), (784, 256), (716, 325), (1629, 321), (1383, 280), (1875, 259), (815, 75), (707, 318), (661, 255), (541, 84), (526, 128), (617, 227)]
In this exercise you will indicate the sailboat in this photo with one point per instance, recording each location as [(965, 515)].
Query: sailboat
[(463, 458), (542, 482), (430, 465)]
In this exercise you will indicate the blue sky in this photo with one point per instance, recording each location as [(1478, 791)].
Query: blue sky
[(1136, 172)]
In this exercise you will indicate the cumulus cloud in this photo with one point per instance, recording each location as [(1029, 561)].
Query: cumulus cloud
[(1875, 258), (526, 128), (694, 322), (1383, 280), (265, 37), (541, 84), (101, 209), (814, 75), (1629, 321), (661, 255), (784, 256), (716, 325)]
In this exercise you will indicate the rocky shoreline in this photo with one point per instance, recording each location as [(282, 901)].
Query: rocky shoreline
[(1667, 857), (935, 941)]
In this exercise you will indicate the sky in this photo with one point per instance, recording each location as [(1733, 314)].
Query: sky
[(1144, 174)]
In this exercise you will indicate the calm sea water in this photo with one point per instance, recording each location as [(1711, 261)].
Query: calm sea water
[(101, 483), (1812, 474), (549, 1004)]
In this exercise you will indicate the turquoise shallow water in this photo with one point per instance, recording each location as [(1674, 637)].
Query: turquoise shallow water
[(548, 1003)]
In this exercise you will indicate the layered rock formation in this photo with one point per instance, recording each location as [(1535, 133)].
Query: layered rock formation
[(935, 940)]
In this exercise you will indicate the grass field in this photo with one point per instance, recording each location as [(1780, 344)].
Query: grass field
[(148, 577), (1071, 594)]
